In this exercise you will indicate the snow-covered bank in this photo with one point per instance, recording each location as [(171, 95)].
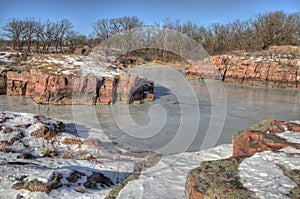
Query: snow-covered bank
[(34, 149), (167, 178)]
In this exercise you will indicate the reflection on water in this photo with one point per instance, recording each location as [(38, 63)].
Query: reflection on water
[(245, 106)]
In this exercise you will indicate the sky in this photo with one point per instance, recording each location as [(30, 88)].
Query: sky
[(83, 13)]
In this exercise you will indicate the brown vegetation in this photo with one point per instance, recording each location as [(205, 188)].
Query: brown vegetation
[(70, 141), (150, 55)]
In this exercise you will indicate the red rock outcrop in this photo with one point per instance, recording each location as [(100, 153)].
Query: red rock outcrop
[(131, 87), (258, 72), (67, 89), (269, 69)]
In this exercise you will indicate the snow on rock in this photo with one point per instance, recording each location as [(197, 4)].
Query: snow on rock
[(290, 136), (264, 136), (44, 158), (262, 175), (263, 172)]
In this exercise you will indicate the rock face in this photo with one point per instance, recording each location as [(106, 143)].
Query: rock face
[(222, 179), (67, 89), (278, 67), (3, 81), (131, 87)]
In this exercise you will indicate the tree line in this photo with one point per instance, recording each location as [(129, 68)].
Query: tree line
[(41, 36), (260, 32), (274, 28)]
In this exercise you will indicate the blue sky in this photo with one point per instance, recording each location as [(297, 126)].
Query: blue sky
[(82, 13)]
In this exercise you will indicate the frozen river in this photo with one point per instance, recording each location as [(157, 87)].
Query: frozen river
[(186, 115)]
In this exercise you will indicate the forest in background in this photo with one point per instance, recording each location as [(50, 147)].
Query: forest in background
[(258, 33)]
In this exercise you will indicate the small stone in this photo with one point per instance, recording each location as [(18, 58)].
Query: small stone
[(137, 102), (79, 189), (22, 177), (19, 196), (73, 177), (25, 155), (23, 126), (7, 130), (90, 185)]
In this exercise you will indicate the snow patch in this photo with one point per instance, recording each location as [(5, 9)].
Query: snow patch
[(167, 178), (261, 174), (290, 136)]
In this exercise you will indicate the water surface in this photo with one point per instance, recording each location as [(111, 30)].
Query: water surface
[(244, 105)]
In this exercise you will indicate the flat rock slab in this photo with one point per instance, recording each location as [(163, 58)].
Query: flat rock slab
[(216, 179)]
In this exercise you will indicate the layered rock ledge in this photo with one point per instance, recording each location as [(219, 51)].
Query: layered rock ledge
[(279, 66), (67, 89), (265, 164), (56, 79)]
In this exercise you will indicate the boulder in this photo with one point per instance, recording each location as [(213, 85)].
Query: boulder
[(129, 88), (216, 179)]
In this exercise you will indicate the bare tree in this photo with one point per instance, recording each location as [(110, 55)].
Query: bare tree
[(30, 25), (61, 29), (104, 28), (14, 31), (75, 39), (275, 28), (129, 23)]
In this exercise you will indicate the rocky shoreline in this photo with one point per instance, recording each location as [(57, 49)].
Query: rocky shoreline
[(276, 67)]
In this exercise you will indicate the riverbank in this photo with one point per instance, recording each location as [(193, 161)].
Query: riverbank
[(276, 67)]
